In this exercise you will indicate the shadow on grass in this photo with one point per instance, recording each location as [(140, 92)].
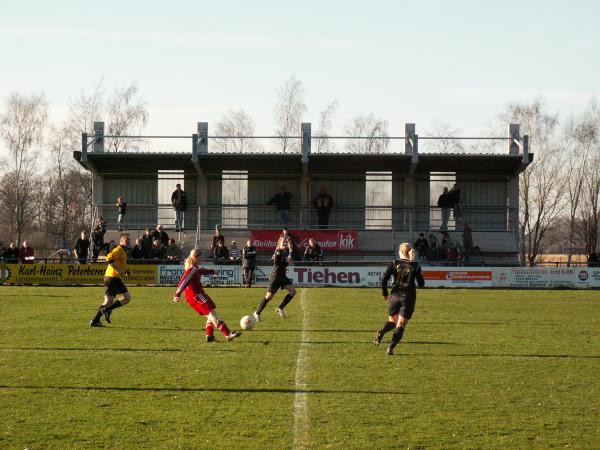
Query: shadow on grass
[(207, 389), (93, 349)]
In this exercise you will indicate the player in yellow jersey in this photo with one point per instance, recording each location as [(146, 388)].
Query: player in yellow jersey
[(113, 284)]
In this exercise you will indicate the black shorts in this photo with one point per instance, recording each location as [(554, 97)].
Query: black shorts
[(114, 286), (402, 304), (278, 282)]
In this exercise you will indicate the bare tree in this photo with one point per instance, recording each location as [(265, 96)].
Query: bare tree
[(541, 185), (21, 127), (323, 144), (288, 114), (235, 123), (126, 115), (579, 137), (372, 134), (87, 108), (444, 131)]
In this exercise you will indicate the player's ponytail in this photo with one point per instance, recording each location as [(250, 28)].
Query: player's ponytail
[(405, 250), (189, 261), (412, 254)]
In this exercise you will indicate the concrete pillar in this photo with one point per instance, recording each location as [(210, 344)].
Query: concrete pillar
[(99, 136), (409, 133), (305, 182), (514, 135), (203, 138)]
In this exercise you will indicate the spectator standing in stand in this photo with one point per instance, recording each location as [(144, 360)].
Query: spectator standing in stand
[(235, 254), (446, 205), (81, 248), (160, 235), (121, 207), (179, 202), (313, 251), (421, 246), (11, 254), (2, 252), (281, 201), (27, 253), (217, 238), (456, 197), (249, 262), (323, 202)]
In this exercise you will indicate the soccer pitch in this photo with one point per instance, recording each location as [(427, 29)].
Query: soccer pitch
[(476, 369)]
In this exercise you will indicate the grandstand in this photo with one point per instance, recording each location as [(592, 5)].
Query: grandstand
[(385, 197)]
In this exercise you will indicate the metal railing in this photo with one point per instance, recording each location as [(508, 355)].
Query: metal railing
[(143, 216), (410, 219)]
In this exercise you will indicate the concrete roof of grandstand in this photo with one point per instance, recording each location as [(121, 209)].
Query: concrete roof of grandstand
[(141, 163)]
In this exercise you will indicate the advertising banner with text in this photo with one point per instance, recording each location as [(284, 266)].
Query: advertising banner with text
[(66, 274), (338, 240)]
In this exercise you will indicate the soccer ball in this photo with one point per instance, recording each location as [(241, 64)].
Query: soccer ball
[(247, 322)]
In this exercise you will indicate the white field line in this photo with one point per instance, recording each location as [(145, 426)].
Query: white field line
[(301, 396)]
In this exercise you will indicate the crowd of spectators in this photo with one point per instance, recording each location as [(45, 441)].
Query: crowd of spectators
[(447, 249), (14, 255)]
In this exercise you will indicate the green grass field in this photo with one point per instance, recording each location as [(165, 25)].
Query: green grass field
[(476, 369)]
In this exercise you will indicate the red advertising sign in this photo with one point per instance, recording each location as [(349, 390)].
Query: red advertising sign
[(339, 240)]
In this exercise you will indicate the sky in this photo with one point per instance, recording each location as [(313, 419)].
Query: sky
[(457, 62)]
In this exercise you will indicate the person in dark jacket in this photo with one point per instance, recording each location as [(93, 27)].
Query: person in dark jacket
[(313, 251), (158, 251), (323, 202), (97, 241), (27, 254), (217, 238), (160, 235), (121, 207), (138, 252), (405, 274), (421, 246), (221, 252), (249, 263), (179, 202), (146, 241), (81, 248), (456, 198), (446, 204), (281, 201), (11, 254)]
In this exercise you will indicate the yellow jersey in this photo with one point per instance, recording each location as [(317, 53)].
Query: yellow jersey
[(119, 258)]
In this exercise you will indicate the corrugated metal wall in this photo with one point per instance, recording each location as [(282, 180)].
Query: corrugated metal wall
[(484, 194), (142, 191), (345, 193)]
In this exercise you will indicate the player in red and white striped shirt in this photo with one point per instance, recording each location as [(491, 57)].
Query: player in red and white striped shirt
[(191, 284)]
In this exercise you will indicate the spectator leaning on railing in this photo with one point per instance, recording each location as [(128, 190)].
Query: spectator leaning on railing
[(281, 201), (313, 251), (27, 254), (445, 202), (323, 202)]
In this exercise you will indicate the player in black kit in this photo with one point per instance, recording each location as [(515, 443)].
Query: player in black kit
[(401, 303), (278, 280)]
